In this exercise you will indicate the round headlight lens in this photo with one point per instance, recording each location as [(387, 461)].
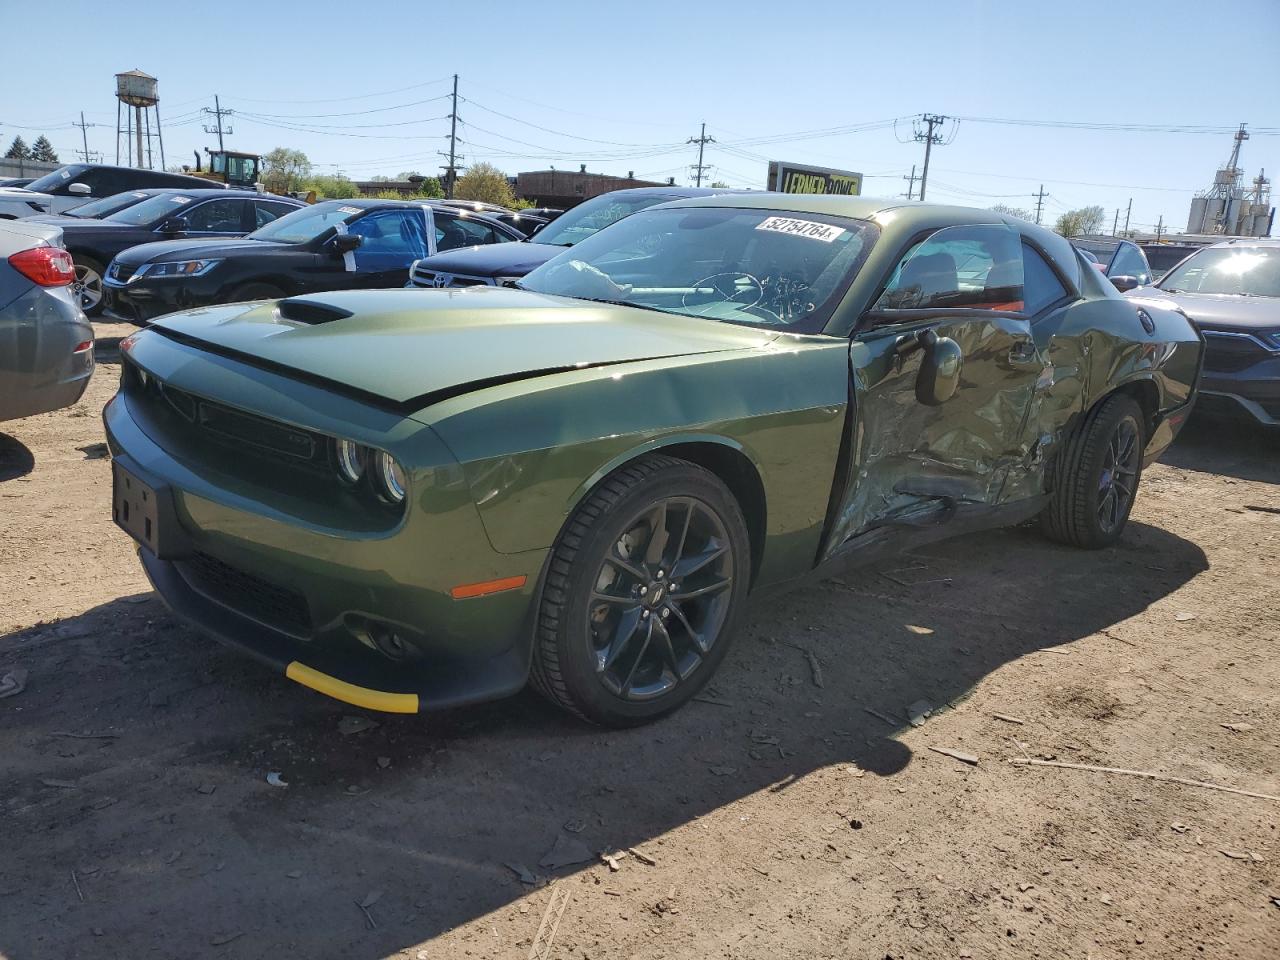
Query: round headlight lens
[(350, 459), (391, 478)]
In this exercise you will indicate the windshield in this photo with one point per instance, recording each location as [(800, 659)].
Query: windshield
[(759, 267), (148, 211), (107, 205), (1245, 271), (303, 226), (594, 215), (1101, 250), (51, 181)]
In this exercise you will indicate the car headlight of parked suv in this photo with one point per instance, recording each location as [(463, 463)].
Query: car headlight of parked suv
[(177, 268)]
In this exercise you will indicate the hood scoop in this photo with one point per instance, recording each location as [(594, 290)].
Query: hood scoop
[(310, 312)]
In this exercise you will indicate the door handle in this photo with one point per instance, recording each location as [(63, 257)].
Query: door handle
[(1024, 351)]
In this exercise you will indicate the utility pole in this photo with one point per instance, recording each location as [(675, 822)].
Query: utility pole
[(1115, 224), (218, 113), (701, 140), (911, 183), (1159, 227), (451, 172), (929, 138), (84, 155), (1127, 211), (1039, 203)]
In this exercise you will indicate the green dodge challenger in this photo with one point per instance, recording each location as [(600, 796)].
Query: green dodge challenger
[(411, 500)]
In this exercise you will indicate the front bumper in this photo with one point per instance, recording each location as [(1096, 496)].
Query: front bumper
[(40, 368), (143, 300), (317, 602), (1251, 392)]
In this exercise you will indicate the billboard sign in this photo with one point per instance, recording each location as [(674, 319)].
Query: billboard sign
[(799, 178)]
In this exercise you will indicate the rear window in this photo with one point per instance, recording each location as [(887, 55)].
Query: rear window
[(148, 211)]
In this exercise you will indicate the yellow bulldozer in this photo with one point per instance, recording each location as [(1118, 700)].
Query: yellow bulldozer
[(231, 167)]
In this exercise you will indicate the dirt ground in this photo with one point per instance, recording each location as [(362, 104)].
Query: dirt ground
[(793, 813)]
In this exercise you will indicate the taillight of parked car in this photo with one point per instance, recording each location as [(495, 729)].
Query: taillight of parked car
[(46, 266)]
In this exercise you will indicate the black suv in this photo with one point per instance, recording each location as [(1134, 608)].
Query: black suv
[(165, 214)]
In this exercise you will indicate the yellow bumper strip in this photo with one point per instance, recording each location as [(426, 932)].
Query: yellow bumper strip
[(349, 692)]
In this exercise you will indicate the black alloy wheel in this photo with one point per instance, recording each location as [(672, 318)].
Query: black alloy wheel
[(1094, 478), (643, 593)]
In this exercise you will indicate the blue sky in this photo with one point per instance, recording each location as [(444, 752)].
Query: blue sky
[(622, 87)]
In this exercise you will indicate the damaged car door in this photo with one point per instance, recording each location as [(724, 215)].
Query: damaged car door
[(943, 370)]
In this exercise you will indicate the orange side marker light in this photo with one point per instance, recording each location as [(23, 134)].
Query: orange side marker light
[(468, 590)]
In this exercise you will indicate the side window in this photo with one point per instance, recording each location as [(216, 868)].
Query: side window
[(1040, 285), (390, 236), (453, 232), (267, 210), (973, 267), (100, 181), (1129, 262), (216, 216)]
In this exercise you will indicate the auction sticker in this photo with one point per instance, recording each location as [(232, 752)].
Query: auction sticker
[(348, 209), (802, 228)]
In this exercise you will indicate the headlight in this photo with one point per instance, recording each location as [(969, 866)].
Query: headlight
[(349, 460), (391, 479), (178, 268)]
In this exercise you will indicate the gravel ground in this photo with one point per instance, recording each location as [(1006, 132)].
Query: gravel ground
[(798, 815)]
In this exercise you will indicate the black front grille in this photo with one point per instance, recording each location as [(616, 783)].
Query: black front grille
[(468, 282), (1231, 353), (247, 594), (206, 420)]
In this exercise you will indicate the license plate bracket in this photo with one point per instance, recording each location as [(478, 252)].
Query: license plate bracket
[(135, 506)]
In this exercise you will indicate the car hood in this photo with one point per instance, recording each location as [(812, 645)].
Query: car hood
[(1218, 311), (412, 348), (493, 259), (166, 250), (22, 193)]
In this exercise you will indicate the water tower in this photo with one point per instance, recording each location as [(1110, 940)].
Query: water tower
[(138, 103)]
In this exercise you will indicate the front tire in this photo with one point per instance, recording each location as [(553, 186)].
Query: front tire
[(644, 592), (1097, 476)]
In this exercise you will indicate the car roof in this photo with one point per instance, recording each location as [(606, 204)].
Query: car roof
[(200, 192), (1248, 242)]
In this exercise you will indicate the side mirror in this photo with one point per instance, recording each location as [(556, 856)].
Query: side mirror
[(79, 189), (172, 225), (345, 243), (939, 374), (1125, 282)]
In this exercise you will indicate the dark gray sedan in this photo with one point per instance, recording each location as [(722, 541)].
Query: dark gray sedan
[(46, 344), (1231, 292)]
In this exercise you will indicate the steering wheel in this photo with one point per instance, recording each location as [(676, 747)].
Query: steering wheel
[(731, 294)]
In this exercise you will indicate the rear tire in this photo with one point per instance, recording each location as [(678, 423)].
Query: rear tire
[(1096, 476), (643, 594), (255, 291), (88, 284)]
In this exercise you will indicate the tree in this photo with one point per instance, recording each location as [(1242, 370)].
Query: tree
[(1009, 211), (486, 183), (18, 150), (330, 188), (42, 150), (1073, 223), (428, 187), (284, 169)]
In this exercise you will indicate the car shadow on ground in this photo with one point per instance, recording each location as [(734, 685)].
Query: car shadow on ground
[(16, 458), (1234, 448), (139, 755)]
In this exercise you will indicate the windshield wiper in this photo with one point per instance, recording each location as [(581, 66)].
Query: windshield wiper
[(630, 303)]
